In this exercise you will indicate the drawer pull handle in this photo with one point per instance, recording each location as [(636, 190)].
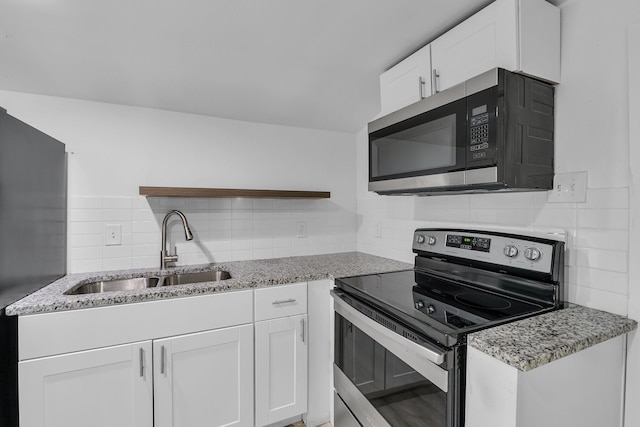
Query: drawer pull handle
[(284, 301)]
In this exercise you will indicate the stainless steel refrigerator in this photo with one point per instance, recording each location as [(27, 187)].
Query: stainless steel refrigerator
[(33, 230)]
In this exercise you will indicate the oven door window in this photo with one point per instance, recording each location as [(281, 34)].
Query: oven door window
[(431, 143), (400, 394)]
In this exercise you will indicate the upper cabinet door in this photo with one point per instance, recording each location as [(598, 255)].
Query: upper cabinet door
[(106, 387), (407, 82), (204, 379), (517, 35), (486, 40)]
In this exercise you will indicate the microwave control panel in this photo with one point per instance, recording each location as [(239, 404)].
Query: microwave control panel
[(481, 128), (479, 132)]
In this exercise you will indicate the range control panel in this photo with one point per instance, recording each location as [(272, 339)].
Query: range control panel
[(509, 250)]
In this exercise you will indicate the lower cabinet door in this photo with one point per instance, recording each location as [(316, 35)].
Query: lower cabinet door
[(204, 379), (99, 388), (281, 369)]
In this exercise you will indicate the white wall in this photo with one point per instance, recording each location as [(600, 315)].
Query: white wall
[(592, 134), (633, 358), (114, 149)]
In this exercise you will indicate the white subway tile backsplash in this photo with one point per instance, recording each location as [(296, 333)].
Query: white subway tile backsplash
[(117, 263), (601, 259), (598, 299), (220, 204), (117, 203), (84, 215), (602, 239), (85, 240), (85, 265), (603, 280), (85, 228), (85, 253), (606, 198), (84, 202), (116, 252), (609, 219), (197, 204), (116, 215), (241, 204)]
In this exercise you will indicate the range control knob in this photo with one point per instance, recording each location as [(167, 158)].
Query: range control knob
[(419, 238), (419, 305), (431, 309), (510, 251), (431, 240), (532, 254)]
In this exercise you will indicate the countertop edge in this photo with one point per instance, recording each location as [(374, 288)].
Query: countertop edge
[(245, 275), (536, 341)]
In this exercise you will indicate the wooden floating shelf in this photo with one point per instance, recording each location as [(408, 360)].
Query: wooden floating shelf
[(231, 192)]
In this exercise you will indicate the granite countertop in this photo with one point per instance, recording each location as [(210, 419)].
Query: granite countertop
[(244, 274), (530, 343)]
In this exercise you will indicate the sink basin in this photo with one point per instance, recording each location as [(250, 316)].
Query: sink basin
[(147, 282), (205, 276), (114, 285)]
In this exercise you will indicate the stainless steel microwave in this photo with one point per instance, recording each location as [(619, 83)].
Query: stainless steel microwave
[(492, 132)]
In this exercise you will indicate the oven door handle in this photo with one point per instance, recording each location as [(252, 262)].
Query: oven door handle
[(424, 360)]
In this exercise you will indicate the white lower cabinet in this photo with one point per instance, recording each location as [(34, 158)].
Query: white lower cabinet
[(204, 379), (281, 369), (281, 355), (105, 387), (232, 359)]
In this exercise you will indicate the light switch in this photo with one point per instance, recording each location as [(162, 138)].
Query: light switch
[(568, 188), (301, 230), (112, 234)]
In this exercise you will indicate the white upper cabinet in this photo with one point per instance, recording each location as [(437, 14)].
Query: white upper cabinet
[(407, 82), (517, 35)]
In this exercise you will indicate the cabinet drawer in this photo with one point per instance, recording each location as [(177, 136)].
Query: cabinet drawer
[(280, 301)]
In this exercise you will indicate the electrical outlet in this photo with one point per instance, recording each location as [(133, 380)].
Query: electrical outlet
[(112, 234), (301, 230), (568, 188), (377, 230)]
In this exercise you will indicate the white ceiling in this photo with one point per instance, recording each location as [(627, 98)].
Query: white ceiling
[(308, 63)]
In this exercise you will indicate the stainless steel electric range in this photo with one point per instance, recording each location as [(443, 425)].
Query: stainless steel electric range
[(400, 337)]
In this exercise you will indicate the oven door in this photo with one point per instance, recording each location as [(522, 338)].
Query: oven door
[(385, 379)]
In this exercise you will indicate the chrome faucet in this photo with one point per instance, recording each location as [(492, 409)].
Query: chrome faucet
[(166, 256)]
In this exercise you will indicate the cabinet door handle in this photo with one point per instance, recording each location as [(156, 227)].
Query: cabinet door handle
[(284, 301), (434, 82), (142, 362), (162, 361), (302, 333), (421, 84)]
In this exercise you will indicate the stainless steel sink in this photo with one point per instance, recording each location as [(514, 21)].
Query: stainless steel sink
[(114, 285), (205, 276), (147, 282)]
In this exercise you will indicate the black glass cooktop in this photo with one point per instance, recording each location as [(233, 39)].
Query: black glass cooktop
[(429, 302)]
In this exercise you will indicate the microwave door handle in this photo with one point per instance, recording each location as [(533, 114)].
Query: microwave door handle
[(424, 360)]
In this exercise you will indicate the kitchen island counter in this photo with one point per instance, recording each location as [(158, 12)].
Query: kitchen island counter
[(244, 275)]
